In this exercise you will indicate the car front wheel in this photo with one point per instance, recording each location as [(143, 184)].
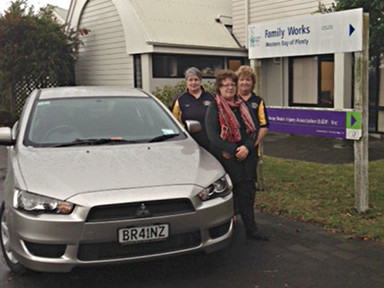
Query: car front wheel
[(9, 257)]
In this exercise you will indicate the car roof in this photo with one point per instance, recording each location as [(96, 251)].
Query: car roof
[(90, 91)]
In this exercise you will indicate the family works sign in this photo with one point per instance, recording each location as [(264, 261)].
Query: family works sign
[(309, 35)]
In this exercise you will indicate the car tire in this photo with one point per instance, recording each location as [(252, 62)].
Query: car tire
[(13, 264)]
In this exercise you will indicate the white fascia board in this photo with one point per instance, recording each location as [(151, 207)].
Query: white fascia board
[(135, 36)]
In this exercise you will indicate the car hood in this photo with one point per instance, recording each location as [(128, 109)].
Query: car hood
[(64, 172)]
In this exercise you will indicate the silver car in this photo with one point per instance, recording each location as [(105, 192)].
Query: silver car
[(102, 175)]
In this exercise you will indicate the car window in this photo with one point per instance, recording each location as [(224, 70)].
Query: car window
[(74, 119)]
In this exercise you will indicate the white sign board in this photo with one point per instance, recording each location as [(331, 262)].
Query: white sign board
[(308, 35)]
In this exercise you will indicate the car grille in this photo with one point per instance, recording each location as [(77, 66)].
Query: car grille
[(140, 210), (46, 250), (114, 250), (220, 230)]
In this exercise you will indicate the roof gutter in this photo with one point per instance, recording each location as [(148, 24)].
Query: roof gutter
[(174, 45)]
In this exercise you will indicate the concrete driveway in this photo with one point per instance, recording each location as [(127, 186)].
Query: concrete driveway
[(3, 164)]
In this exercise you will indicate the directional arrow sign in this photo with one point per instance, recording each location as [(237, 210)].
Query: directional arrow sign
[(353, 127), (353, 120), (351, 29)]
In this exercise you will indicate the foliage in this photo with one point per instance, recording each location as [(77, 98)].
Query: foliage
[(322, 8), (324, 195), (375, 8), (168, 93), (33, 49)]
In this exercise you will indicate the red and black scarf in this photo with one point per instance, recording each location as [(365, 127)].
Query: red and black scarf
[(229, 125)]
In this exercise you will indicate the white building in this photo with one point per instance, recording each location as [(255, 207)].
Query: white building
[(150, 43)]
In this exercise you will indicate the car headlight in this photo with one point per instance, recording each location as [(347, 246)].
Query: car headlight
[(219, 188), (30, 202)]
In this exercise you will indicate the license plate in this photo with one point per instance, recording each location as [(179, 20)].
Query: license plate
[(143, 234)]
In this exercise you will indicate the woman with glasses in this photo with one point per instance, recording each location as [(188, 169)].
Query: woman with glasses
[(232, 129)]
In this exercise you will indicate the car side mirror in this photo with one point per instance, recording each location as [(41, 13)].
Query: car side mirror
[(193, 126), (6, 137)]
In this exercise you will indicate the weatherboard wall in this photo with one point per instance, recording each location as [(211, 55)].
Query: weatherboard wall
[(103, 59)]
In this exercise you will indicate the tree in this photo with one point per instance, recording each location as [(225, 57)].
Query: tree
[(35, 52)]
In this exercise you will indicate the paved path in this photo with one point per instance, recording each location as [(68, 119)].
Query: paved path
[(299, 255)]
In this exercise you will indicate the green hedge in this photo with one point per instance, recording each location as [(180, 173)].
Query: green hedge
[(167, 93)]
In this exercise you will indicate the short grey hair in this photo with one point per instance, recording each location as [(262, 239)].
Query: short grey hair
[(193, 71)]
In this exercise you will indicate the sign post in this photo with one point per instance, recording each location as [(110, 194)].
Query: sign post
[(361, 103), (338, 32)]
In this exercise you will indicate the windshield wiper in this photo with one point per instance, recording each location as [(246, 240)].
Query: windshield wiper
[(95, 141), (163, 137)]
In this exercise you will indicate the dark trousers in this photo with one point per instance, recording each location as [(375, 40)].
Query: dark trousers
[(245, 194)]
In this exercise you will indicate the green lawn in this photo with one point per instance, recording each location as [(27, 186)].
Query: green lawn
[(324, 195)]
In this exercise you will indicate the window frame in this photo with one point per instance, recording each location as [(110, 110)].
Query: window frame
[(320, 60), (181, 62)]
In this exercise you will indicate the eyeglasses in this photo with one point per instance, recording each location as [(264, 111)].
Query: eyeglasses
[(229, 85)]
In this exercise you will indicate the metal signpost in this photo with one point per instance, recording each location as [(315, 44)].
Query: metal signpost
[(338, 32)]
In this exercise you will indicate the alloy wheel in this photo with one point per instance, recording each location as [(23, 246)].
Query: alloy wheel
[(5, 241)]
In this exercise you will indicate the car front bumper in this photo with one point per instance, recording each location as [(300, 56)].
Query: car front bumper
[(59, 243)]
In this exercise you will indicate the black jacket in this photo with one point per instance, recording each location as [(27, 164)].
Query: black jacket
[(187, 107), (237, 170)]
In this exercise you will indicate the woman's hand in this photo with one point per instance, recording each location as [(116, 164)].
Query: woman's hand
[(241, 153)]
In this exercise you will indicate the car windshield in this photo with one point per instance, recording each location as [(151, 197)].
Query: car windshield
[(99, 121)]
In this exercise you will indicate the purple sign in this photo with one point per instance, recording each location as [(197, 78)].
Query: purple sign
[(321, 123)]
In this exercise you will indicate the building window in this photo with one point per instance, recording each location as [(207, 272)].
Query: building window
[(311, 81), (138, 73), (165, 66), (234, 63), (174, 66), (377, 105), (326, 96)]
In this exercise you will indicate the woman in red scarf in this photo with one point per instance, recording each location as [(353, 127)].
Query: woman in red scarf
[(231, 128)]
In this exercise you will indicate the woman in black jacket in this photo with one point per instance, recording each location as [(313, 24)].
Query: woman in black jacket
[(193, 104), (232, 130)]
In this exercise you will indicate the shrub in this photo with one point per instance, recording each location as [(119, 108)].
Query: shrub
[(167, 93)]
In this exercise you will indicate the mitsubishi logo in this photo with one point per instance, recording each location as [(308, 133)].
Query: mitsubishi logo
[(142, 211)]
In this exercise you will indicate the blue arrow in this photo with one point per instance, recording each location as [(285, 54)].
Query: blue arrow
[(353, 120), (351, 29)]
